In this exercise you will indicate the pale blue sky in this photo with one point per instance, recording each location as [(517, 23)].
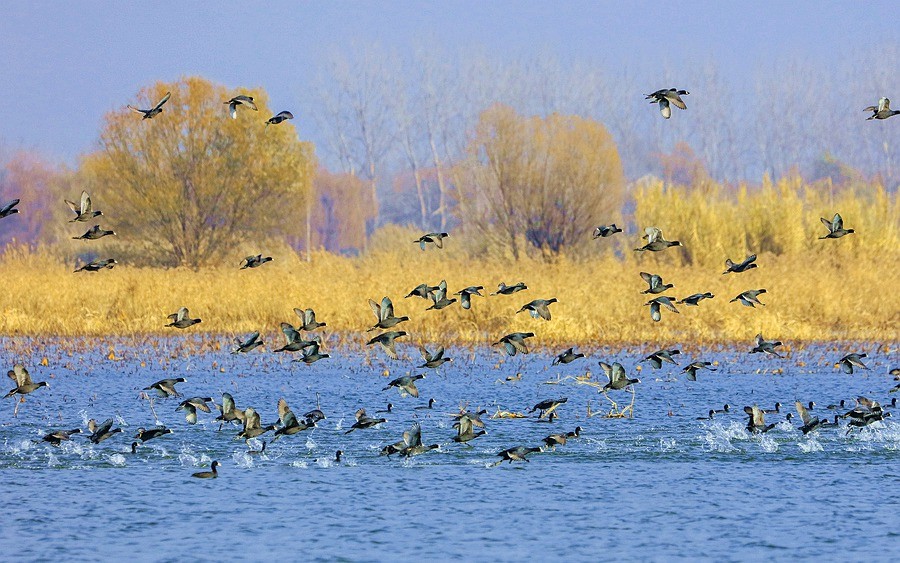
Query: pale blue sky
[(66, 63)]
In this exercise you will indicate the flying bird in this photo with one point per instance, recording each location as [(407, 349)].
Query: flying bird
[(242, 100), (665, 97), (154, 111), (84, 210), (281, 116)]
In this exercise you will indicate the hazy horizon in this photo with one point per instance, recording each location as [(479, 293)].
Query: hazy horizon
[(67, 65)]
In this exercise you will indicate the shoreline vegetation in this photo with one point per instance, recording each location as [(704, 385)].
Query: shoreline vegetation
[(817, 290)]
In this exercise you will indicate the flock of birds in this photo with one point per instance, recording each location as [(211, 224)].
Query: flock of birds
[(468, 423)]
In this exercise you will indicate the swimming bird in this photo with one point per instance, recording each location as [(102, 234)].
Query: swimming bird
[(725, 409), (465, 295), (94, 233), (102, 431), (835, 227), (657, 358), (208, 474), (655, 304), (838, 406), (423, 290), (776, 410), (710, 416), (848, 362), (83, 210), (386, 341), (388, 408), (655, 282), (293, 341), (756, 423), (809, 423), (241, 100), (696, 298), (97, 265), (560, 439), (59, 436), (567, 357), (260, 451), (665, 97), (166, 387), (192, 405), (548, 406), (9, 208), (430, 405), (311, 354), (154, 111), (748, 264), (384, 313), (749, 298), (503, 289), (896, 373), (606, 231), (692, 369), (517, 453), (279, 117), (436, 239), (764, 346), (229, 412), (538, 308), (254, 261), (434, 360), (243, 346), (514, 342), (308, 316), (24, 385), (439, 297), (253, 427), (656, 241), (826, 423), (364, 421), (145, 435), (882, 110), (406, 384), (182, 319)]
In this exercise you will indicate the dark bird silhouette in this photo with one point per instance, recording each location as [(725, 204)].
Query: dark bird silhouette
[(165, 388), (254, 261), (665, 97), (696, 298), (434, 360), (657, 358), (182, 319), (97, 265), (882, 110), (84, 211), (212, 474), (94, 233), (604, 231), (539, 308), (154, 111), (748, 264), (384, 313), (9, 208), (386, 341), (764, 346), (567, 357), (504, 289), (242, 100), (514, 342), (364, 421), (279, 117), (465, 295), (749, 298), (308, 316), (248, 344), (835, 227), (436, 239), (848, 362)]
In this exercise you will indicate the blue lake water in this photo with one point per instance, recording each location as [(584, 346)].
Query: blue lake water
[(660, 486)]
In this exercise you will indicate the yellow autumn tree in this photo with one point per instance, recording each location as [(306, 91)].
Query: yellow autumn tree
[(542, 183), (190, 183)]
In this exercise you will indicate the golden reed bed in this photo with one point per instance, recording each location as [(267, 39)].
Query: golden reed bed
[(818, 290)]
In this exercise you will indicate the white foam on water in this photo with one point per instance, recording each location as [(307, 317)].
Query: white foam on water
[(310, 444), (810, 445), (667, 444), (117, 460), (52, 460), (339, 425), (188, 459), (768, 443), (299, 464), (242, 459)]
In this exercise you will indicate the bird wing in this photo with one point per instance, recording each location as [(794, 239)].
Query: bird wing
[(375, 309), (283, 409), (136, 110), (438, 354), (664, 108), (618, 372), (227, 403), (654, 311), (415, 435), (827, 223), (804, 414), (543, 310), (232, 109), (647, 277), (518, 344), (309, 317), (22, 375), (72, 205), (387, 308), (104, 427), (290, 333), (163, 100), (181, 314), (388, 345), (837, 222), (759, 418), (884, 104), (653, 234), (673, 97), (85, 203), (668, 303)]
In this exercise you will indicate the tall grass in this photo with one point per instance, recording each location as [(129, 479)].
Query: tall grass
[(830, 290)]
